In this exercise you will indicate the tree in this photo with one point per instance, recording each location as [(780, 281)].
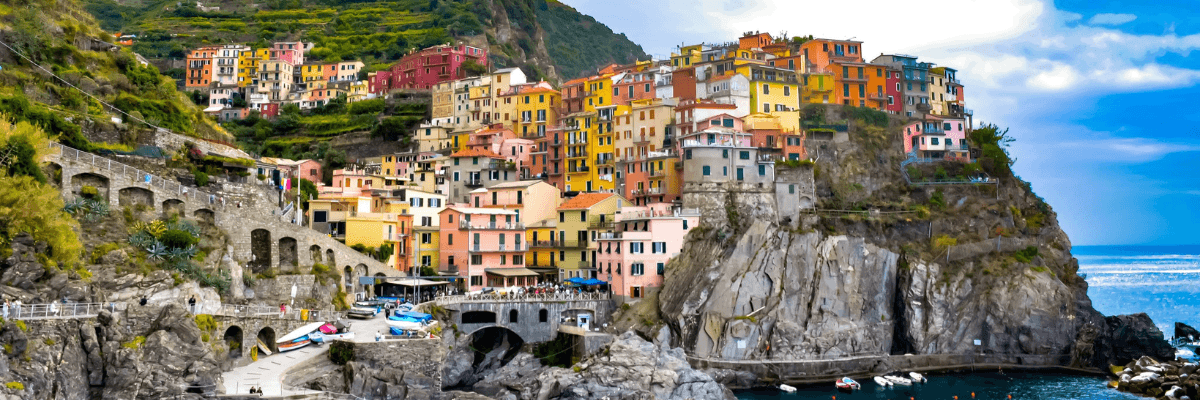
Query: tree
[(307, 190), (993, 144), (472, 68), (392, 128)]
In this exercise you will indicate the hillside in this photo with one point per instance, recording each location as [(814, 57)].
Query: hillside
[(63, 39), (537, 35)]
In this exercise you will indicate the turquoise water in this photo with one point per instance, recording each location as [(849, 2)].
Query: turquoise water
[(1161, 281)]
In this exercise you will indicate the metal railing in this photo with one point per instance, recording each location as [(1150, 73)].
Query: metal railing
[(59, 310), (137, 175), (249, 311), (513, 296), (491, 225)]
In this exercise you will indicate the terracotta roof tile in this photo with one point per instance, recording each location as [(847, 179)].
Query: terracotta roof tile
[(476, 153), (584, 200)]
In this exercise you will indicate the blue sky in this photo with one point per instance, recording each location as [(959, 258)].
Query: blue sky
[(1098, 94)]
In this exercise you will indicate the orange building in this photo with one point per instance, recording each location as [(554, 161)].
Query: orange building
[(754, 41), (200, 68), (820, 53)]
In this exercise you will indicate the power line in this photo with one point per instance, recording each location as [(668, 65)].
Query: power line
[(27, 59)]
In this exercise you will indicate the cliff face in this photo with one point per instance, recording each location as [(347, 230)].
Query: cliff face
[(929, 271)]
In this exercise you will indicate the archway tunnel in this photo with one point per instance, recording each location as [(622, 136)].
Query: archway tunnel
[(233, 339)]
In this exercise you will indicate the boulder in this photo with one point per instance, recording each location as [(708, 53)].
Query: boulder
[(1182, 330), (1131, 337), (22, 268)]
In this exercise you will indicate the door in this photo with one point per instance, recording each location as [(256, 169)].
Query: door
[(740, 175)]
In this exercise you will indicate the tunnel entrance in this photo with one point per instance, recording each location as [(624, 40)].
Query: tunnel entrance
[(266, 336), (233, 339), (493, 348)]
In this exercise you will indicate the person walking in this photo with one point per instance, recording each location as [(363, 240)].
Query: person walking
[(282, 309), (143, 301), (192, 304)]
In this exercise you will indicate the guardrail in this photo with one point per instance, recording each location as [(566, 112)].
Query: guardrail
[(248, 311), (511, 297), (59, 310)]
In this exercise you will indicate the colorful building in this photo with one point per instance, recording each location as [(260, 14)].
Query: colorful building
[(484, 246), (581, 219), (442, 63), (633, 258), (937, 138), (200, 68)]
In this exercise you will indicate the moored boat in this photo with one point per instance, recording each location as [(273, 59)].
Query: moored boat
[(898, 380), (301, 332), (847, 384), (879, 380), (263, 348), (917, 378), (787, 388), (285, 347)]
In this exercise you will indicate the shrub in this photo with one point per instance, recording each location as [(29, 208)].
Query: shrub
[(21, 325), (177, 239), (48, 341), (15, 385), (89, 192), (943, 242), (341, 352), (318, 269), (937, 201), (136, 343), (101, 250), (201, 178), (1026, 255), (206, 322)]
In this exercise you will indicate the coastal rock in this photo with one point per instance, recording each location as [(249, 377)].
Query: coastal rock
[(1182, 330), (632, 368), (22, 268), (1124, 338)]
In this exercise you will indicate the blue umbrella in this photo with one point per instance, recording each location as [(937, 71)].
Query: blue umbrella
[(594, 281), (575, 280)]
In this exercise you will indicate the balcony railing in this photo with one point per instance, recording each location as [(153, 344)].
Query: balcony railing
[(598, 224), (657, 173), (577, 153), (578, 169), (855, 78), (491, 225), (499, 248), (577, 140), (475, 182)]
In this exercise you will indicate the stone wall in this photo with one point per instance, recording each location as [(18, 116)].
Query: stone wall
[(171, 142), (715, 200), (396, 369)]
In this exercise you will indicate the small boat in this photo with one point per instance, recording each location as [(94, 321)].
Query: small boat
[(879, 380), (787, 388), (326, 338), (301, 332), (917, 378), (898, 380), (328, 329), (847, 384), (284, 347), (262, 348)]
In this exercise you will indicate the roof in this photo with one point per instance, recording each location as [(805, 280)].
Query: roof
[(545, 223), (503, 70), (575, 81), (476, 153), (474, 210), (584, 200), (518, 271), (517, 184)]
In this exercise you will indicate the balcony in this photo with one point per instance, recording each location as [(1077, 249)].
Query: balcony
[(554, 173), (576, 170), (658, 173), (604, 161), (641, 140), (475, 182), (859, 78), (491, 225), (654, 191), (877, 96), (600, 224), (499, 248), (543, 243), (556, 156), (577, 140), (577, 154)]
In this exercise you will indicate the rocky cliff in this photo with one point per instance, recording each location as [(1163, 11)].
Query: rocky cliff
[(880, 267)]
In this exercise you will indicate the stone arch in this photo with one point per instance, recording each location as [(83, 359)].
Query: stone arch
[(478, 317), (494, 346), (543, 316), (173, 206), (288, 259), (348, 275), (99, 182), (329, 258), (260, 250), (266, 335), (513, 316), (361, 270), (135, 196), (53, 172), (205, 215), (314, 254), (806, 202), (233, 338)]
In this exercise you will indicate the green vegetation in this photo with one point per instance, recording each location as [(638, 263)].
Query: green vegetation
[(382, 253), (1026, 255), (27, 205), (557, 352), (993, 144), (21, 325), (206, 322), (134, 344), (577, 43), (15, 385), (341, 352)]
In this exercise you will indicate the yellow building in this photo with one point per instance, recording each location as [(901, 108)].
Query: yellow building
[(312, 73), (818, 88), (772, 89), (580, 220), (542, 244), (426, 238), (597, 92), (535, 110), (248, 62), (687, 56)]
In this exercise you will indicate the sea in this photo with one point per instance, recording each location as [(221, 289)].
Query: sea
[(1161, 281)]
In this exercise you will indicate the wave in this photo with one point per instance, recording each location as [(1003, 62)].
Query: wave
[(1140, 257)]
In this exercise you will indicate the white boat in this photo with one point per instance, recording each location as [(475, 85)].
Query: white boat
[(879, 380), (329, 337), (787, 388), (847, 384), (299, 333), (262, 348), (917, 378), (406, 325), (899, 380)]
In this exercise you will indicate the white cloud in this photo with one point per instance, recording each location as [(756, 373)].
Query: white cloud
[(1128, 149), (1111, 19)]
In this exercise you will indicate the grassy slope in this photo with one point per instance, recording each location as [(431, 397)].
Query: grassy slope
[(49, 32)]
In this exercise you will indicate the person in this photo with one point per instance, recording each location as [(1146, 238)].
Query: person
[(378, 336), (282, 309), (6, 308), (192, 304), (18, 306), (143, 300), (54, 308)]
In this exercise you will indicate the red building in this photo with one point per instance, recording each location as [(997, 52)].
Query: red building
[(379, 82), (268, 110), (895, 96), (434, 65)]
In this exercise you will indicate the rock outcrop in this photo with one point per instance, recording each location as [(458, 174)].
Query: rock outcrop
[(1165, 380), (1185, 331)]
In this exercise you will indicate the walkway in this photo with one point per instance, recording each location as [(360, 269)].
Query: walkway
[(520, 298), (913, 159), (59, 310)]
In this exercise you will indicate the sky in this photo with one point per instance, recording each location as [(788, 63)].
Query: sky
[(1098, 94)]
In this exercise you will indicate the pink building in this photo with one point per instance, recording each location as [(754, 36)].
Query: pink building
[(937, 137), (379, 82), (634, 257), (488, 139), (532, 200), (629, 86), (289, 52), (434, 65), (484, 246)]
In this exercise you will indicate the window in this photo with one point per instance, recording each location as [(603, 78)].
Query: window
[(933, 141), (846, 90), (685, 225), (476, 259), (450, 238), (766, 89), (766, 107), (762, 170), (658, 247), (637, 269), (543, 315), (426, 238), (744, 154), (687, 154), (320, 216), (724, 153), (787, 91), (476, 280)]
